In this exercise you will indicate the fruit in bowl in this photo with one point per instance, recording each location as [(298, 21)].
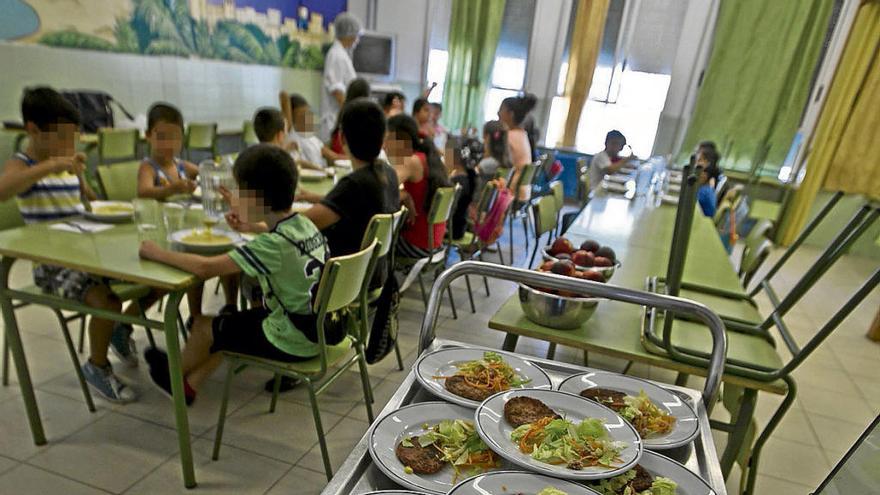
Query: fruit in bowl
[(559, 309), (588, 256)]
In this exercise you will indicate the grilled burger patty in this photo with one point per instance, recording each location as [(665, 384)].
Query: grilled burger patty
[(606, 397), (422, 460), (523, 410), (642, 481), (458, 386)]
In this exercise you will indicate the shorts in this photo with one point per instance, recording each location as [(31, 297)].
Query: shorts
[(243, 333), (65, 282)]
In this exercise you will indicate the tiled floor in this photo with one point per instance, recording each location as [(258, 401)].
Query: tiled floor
[(132, 449)]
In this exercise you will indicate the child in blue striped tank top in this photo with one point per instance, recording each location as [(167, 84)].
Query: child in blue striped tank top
[(46, 181)]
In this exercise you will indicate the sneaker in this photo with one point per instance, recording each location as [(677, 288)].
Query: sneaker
[(287, 384), (158, 363), (107, 384), (123, 345)]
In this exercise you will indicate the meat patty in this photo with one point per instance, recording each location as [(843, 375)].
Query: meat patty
[(523, 410), (605, 396), (422, 460), (458, 386), (642, 481)]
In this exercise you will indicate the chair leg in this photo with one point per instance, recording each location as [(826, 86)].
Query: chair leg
[(82, 334), (467, 282), (276, 390), (365, 381), (534, 252), (5, 363), (626, 368), (217, 287), (221, 421), (500, 252), (422, 287), (451, 303), (181, 325), (319, 429), (485, 280), (161, 302), (510, 236), (551, 350), (525, 222), (397, 353), (65, 330)]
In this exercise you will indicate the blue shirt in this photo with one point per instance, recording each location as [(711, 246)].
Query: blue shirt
[(706, 198)]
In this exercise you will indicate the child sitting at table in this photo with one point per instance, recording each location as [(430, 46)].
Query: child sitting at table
[(310, 151), (286, 259), (496, 158), (706, 194), (163, 174), (47, 182), (608, 161)]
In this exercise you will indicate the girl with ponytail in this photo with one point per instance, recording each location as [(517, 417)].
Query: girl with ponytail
[(512, 113), (421, 171)]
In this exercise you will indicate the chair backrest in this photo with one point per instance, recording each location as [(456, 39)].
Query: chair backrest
[(382, 228), (545, 215), (10, 217), (441, 205), (721, 214), (248, 134), (528, 175), (201, 136), (344, 280), (119, 181), (9, 141), (759, 232), (752, 260), (558, 194), (117, 144)]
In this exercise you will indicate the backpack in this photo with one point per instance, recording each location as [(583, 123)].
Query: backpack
[(94, 109)]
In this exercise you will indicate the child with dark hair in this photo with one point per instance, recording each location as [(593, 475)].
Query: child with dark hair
[(465, 157), (269, 126), (706, 194), (393, 103), (421, 171), (608, 161), (421, 112), (512, 113), (163, 174), (287, 257), (47, 182), (308, 150), (708, 157), (496, 158), (359, 88)]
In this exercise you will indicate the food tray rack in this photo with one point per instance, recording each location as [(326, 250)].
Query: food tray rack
[(358, 475)]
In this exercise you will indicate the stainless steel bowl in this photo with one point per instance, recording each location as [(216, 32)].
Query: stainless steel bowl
[(560, 312), (607, 271)]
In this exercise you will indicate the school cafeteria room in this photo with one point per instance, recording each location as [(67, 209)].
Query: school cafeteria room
[(430, 247)]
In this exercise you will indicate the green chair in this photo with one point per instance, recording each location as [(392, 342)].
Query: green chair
[(756, 249), (200, 136), (384, 228), (583, 175), (119, 181), (519, 208), (440, 212), (117, 144), (546, 215), (248, 134), (558, 192), (344, 281)]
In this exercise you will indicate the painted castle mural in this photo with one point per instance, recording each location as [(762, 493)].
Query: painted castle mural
[(283, 33)]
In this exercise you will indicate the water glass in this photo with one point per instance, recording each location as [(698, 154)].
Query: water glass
[(148, 219), (173, 214)]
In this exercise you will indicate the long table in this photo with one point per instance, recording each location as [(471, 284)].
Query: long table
[(640, 232)]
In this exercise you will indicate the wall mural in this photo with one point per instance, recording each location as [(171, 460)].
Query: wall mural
[(286, 33)]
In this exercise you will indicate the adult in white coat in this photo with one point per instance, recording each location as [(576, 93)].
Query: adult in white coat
[(338, 70)]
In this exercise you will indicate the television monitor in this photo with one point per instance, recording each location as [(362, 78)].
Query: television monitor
[(374, 55)]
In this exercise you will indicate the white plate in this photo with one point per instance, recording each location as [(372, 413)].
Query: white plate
[(687, 425), (495, 431), (614, 187), (395, 492), (669, 199), (688, 482), (619, 178), (108, 217), (443, 363), (409, 421), (234, 238), (309, 174), (516, 482)]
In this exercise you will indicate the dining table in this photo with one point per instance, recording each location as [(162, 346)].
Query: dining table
[(110, 254), (640, 231)]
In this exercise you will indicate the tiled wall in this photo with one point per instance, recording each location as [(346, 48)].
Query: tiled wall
[(222, 92)]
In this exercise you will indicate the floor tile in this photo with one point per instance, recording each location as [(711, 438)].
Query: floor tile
[(285, 435), (6, 464), (29, 480), (236, 472), (339, 398), (382, 393), (834, 433), (828, 403), (60, 416), (112, 453), (775, 486), (340, 442), (300, 481), (820, 377), (870, 389), (793, 461)]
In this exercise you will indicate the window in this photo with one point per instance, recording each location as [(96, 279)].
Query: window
[(631, 77), (509, 70), (438, 47)]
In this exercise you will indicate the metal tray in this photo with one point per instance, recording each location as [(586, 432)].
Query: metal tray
[(358, 474)]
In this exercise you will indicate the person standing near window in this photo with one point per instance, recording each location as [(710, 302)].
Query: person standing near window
[(512, 113), (338, 71)]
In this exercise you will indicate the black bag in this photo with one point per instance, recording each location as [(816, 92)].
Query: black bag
[(383, 335), (94, 109)]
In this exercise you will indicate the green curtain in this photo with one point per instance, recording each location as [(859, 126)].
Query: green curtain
[(473, 38), (758, 80)]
